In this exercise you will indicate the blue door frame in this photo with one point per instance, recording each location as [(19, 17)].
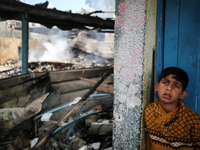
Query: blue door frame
[(160, 36)]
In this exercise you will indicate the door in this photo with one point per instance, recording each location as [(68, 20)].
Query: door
[(179, 43)]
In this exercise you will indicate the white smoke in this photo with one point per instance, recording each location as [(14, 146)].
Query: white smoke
[(56, 49)]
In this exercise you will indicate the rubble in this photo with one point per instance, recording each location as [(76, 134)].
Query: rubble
[(102, 87), (82, 61), (89, 126), (11, 117), (50, 108)]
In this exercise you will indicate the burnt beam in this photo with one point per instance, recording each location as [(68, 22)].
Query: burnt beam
[(11, 9)]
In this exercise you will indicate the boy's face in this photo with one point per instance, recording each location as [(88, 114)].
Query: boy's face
[(170, 90)]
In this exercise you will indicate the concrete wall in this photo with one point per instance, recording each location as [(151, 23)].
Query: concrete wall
[(134, 44), (9, 48)]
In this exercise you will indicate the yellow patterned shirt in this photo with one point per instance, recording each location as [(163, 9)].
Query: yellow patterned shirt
[(179, 129)]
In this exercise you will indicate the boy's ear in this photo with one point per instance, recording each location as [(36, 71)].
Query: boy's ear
[(156, 86), (184, 93)]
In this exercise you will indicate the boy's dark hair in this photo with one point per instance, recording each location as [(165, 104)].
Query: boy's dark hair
[(180, 75)]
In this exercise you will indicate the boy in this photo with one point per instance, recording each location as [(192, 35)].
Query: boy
[(169, 124)]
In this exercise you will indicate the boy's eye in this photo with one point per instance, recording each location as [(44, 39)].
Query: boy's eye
[(176, 86), (165, 82)]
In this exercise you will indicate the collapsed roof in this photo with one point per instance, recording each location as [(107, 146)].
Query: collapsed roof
[(12, 9)]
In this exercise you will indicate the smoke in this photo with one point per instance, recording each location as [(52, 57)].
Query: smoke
[(104, 5), (56, 49)]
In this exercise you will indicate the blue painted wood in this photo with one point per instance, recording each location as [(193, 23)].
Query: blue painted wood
[(160, 24), (188, 53), (198, 83), (198, 77), (25, 29), (182, 44), (171, 33)]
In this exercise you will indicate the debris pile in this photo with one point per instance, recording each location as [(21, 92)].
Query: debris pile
[(82, 61), (75, 116)]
